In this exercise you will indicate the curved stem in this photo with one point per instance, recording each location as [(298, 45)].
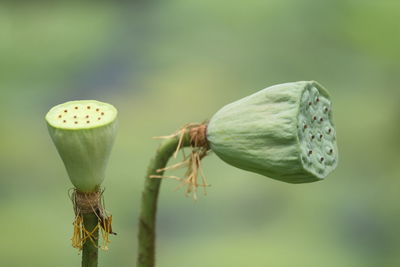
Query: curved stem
[(90, 250), (147, 219)]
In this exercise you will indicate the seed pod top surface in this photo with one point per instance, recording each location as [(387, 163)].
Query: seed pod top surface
[(284, 132), (83, 132)]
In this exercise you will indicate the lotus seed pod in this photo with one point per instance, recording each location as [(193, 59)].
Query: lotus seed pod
[(83, 132), (284, 132)]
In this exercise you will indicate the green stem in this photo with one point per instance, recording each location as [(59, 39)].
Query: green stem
[(147, 219), (90, 250)]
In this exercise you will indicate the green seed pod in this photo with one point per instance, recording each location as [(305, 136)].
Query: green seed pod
[(284, 132), (83, 132)]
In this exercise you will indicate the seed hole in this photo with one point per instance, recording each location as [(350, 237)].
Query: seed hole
[(312, 137), (330, 151), (329, 130), (315, 118), (309, 103), (59, 116), (76, 122), (317, 99), (321, 119), (326, 109), (76, 107), (87, 116), (75, 117), (65, 110), (102, 113), (98, 118), (305, 126), (87, 121), (320, 136), (309, 152), (321, 159), (64, 121), (88, 107), (97, 109)]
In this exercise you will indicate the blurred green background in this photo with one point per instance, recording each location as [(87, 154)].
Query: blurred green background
[(167, 63)]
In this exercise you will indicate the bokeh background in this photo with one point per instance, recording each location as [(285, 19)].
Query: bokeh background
[(167, 63)]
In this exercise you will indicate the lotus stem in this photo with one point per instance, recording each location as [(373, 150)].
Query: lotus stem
[(90, 248), (147, 219)]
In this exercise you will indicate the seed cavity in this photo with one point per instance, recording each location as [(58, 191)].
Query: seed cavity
[(321, 119), (75, 117), (76, 107), (321, 159), (312, 137), (59, 116), (102, 113), (76, 122), (87, 121), (87, 116), (97, 109), (317, 99), (88, 107), (64, 121), (309, 152), (65, 110)]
